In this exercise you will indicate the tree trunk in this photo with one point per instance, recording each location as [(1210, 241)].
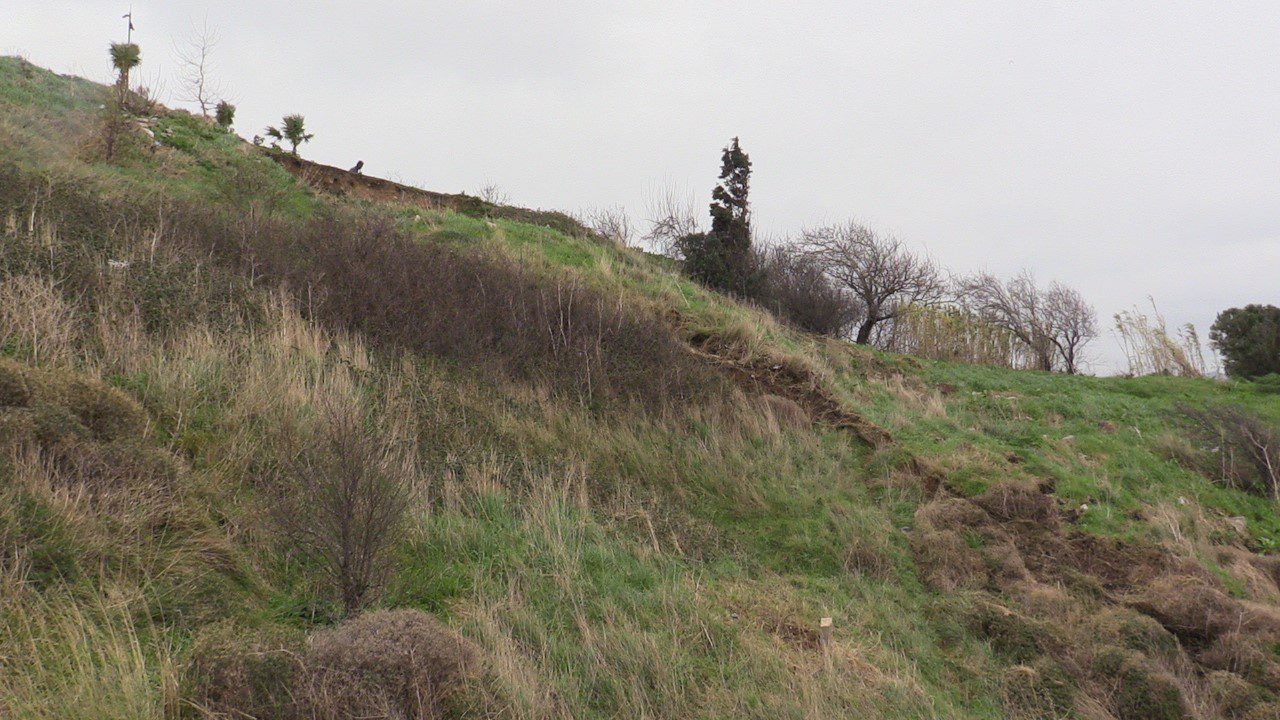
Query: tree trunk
[(864, 332)]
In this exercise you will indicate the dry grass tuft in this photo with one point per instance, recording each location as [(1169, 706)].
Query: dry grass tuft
[(37, 321), (1194, 610), (239, 674), (1010, 501), (393, 664), (946, 561)]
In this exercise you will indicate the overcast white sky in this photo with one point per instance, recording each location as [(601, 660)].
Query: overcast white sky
[(1125, 148)]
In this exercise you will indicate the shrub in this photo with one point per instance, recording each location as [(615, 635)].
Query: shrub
[(224, 114), (292, 130), (723, 259), (235, 673), (1249, 340), (1247, 448), (344, 502), (361, 274), (794, 287), (391, 664)]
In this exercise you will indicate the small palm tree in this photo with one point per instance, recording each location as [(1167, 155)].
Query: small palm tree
[(225, 114), (125, 57), (292, 129)]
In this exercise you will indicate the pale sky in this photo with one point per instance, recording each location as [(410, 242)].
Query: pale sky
[(1125, 148)]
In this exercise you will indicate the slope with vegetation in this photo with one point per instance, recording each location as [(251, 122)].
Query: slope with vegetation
[(273, 452)]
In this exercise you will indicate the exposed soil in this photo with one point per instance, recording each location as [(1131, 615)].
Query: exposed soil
[(344, 183)]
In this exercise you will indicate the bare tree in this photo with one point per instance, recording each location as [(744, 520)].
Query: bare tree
[(1074, 324), (1054, 324), (493, 194), (612, 224), (877, 270), (794, 287), (195, 53), (345, 501), (671, 216)]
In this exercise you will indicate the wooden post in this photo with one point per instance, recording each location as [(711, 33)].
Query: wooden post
[(825, 630)]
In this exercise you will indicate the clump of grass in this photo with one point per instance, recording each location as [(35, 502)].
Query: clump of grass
[(68, 660), (399, 663)]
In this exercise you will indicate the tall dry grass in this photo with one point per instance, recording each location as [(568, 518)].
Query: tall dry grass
[(1150, 349), (66, 659)]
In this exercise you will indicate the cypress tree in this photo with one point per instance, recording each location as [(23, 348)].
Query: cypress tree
[(730, 212), (723, 259)]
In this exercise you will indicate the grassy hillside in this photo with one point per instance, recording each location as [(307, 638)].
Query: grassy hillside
[(630, 497)]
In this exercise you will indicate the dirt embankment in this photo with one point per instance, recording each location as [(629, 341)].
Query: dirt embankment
[(1092, 627), (344, 183)]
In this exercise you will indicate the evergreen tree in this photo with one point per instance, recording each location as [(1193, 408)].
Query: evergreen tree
[(730, 212), (723, 259), (1249, 340), (225, 114)]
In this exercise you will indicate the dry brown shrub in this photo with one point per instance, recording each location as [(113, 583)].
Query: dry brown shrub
[(234, 674), (1010, 500), (1191, 608), (952, 514), (363, 274), (945, 560), (400, 664), (786, 412), (343, 502)]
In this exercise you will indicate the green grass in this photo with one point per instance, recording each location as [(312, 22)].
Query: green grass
[(608, 561)]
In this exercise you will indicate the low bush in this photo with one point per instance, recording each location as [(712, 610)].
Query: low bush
[(794, 287), (1245, 447), (238, 673), (399, 664), (345, 500), (362, 274)]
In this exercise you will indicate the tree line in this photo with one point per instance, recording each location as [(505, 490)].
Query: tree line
[(852, 281), (849, 280)]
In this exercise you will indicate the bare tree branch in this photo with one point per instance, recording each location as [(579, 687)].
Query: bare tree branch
[(1054, 324), (612, 224), (194, 55), (671, 216), (884, 276)]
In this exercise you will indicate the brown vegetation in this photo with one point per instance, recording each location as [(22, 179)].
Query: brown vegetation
[(399, 664), (344, 501), (1136, 629)]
